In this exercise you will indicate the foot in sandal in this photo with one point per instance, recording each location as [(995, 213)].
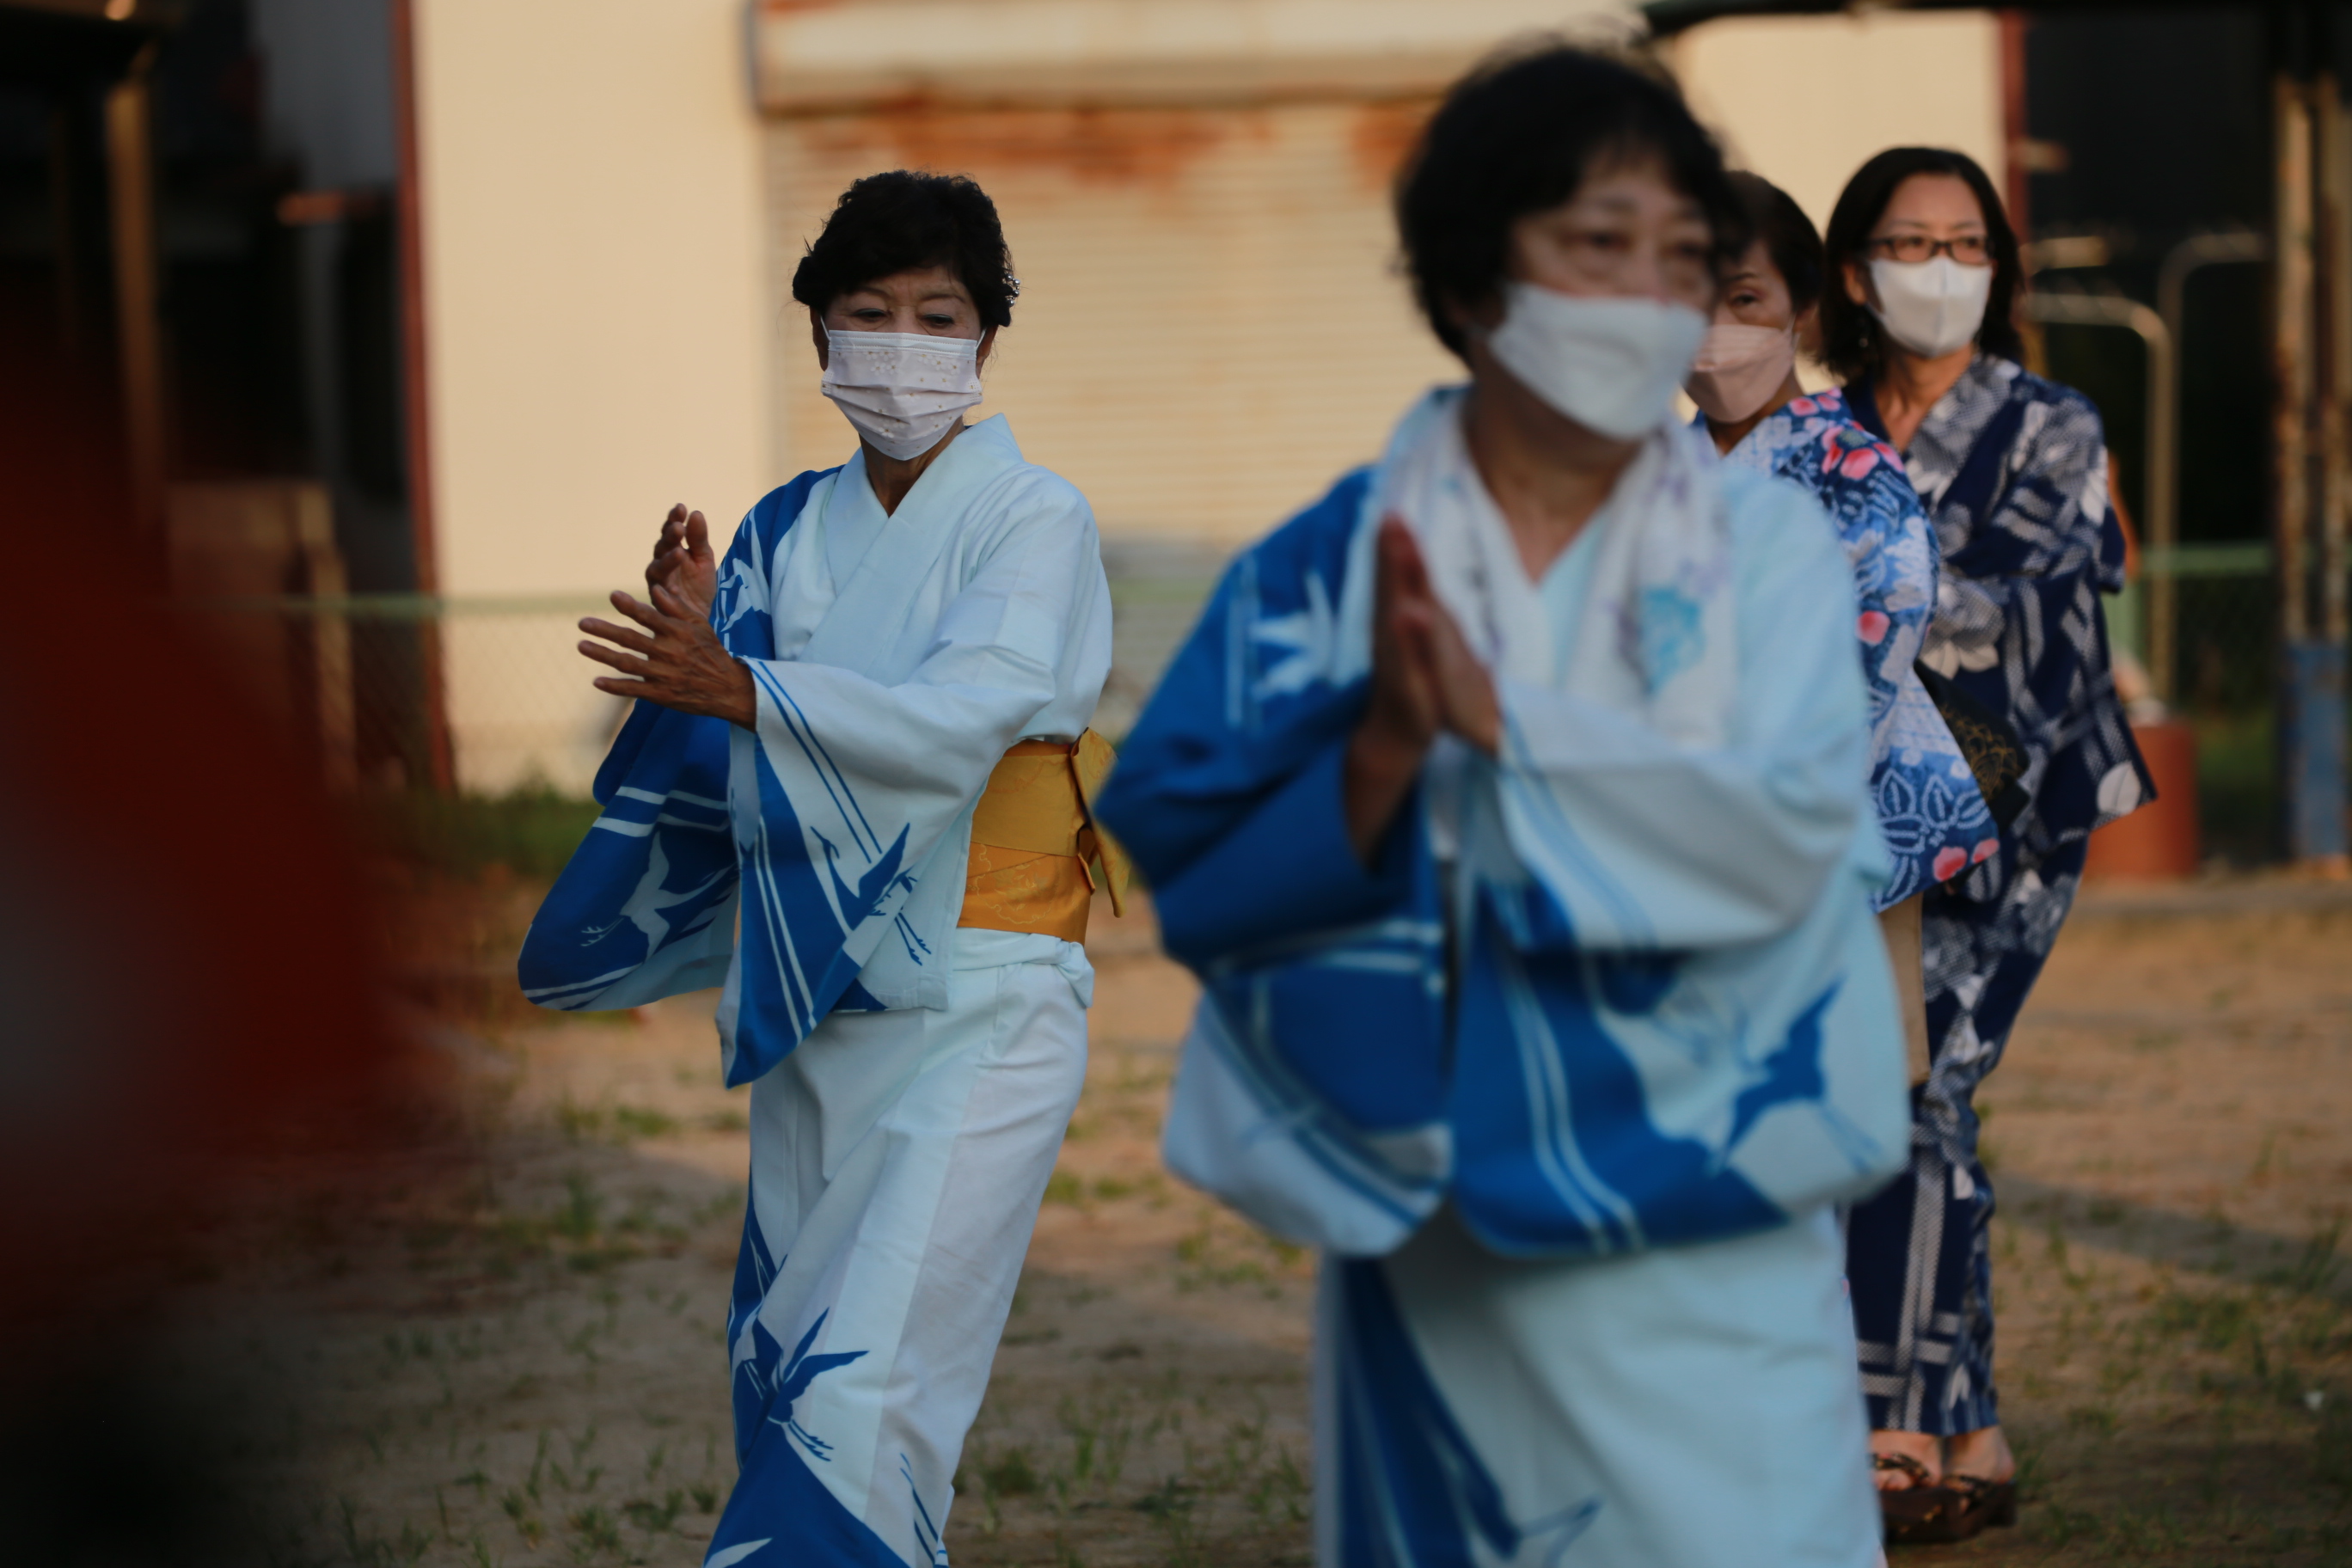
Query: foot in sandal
[(1973, 1489), (1983, 1454), (1901, 1461)]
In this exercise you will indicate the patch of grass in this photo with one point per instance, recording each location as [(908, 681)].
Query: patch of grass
[(527, 1523), (531, 831), (2316, 1270), (2237, 765), (1099, 1431), (1280, 1494), (2331, 1449), (637, 1121), (2216, 1321), (594, 1533), (576, 1219), (1010, 1474), (2062, 1527), (656, 1516), (372, 1549), (580, 1123), (2101, 1420)]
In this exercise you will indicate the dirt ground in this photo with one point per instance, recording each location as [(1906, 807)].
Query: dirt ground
[(511, 1354)]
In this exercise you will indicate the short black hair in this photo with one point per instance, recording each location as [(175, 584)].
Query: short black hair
[(1519, 135), (1789, 236), (897, 222), (1853, 344)]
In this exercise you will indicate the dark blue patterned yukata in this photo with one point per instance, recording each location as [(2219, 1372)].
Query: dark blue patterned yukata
[(2013, 471)]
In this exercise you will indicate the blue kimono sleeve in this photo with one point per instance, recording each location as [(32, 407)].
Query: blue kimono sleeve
[(1286, 866), (646, 907), (1328, 974)]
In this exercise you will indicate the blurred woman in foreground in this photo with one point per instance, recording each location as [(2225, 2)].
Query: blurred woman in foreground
[(2013, 471), (1512, 802)]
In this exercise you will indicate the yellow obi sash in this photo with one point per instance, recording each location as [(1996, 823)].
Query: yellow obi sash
[(1034, 844)]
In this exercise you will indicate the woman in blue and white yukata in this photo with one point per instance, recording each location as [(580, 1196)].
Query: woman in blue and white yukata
[(1512, 802), (2013, 471), (863, 731), (1930, 810)]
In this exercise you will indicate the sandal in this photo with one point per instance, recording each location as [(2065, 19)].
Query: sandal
[(1959, 1508), (1908, 1510), (1997, 1501)]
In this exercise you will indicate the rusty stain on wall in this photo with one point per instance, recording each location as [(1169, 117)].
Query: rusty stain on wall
[(1211, 324), (1383, 134), (1126, 147)]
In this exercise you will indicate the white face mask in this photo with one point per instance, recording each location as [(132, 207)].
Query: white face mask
[(1610, 365), (901, 390), (1739, 368), (1932, 307)]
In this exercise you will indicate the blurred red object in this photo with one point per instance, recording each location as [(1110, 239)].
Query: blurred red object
[(2160, 839), (185, 957)]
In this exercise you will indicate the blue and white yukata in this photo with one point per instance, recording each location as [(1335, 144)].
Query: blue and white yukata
[(1567, 1082), (2013, 470), (911, 1078), (1930, 811)]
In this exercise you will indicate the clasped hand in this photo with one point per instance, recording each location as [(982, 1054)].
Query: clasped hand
[(677, 660), (1425, 680)]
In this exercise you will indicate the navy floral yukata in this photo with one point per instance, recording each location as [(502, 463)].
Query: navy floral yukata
[(2013, 471), (1929, 809)]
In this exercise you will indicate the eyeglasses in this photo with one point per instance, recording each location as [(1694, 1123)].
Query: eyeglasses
[(1969, 250)]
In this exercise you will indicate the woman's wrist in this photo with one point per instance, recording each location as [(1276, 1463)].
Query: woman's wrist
[(744, 709), (1375, 776)]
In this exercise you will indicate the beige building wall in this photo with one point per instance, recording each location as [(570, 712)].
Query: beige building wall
[(598, 332), (1804, 101), (1210, 327)]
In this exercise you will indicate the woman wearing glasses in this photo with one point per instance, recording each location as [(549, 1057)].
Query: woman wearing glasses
[(2013, 472)]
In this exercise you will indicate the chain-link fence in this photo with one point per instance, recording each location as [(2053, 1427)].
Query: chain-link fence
[(2223, 675), (491, 697), (487, 696)]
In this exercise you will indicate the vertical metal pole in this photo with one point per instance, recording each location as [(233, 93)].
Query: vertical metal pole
[(2164, 521), (2311, 695), (415, 391), (2163, 499), (2322, 722), (2290, 347), (2015, 130), (2335, 127), (137, 296)]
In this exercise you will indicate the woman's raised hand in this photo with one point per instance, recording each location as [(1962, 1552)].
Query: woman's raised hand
[(1424, 679), (677, 660), (1405, 709), (682, 560), (1425, 635)]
